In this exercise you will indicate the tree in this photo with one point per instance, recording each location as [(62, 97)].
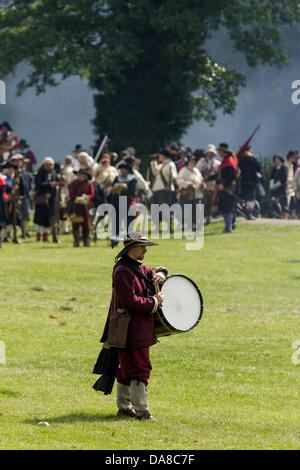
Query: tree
[(146, 59)]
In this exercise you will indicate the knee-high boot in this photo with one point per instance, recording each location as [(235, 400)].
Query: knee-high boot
[(76, 237), (86, 237)]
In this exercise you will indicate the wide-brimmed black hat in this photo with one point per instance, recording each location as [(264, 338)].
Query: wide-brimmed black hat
[(125, 166), (191, 157), (223, 146), (6, 124), (292, 153), (85, 172), (280, 158), (134, 239), (7, 165), (77, 147), (165, 152), (23, 143)]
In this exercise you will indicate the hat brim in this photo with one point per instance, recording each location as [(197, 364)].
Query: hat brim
[(137, 243)]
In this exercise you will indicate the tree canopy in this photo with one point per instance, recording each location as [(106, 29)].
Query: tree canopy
[(146, 60)]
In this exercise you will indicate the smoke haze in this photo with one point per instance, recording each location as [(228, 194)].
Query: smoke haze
[(52, 123)]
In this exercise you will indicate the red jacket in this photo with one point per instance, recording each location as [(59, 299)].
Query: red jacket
[(3, 183), (133, 295), (77, 188)]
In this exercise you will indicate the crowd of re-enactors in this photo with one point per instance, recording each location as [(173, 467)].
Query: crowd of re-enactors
[(63, 197)]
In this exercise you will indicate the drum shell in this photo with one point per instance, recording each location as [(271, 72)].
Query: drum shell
[(163, 327)]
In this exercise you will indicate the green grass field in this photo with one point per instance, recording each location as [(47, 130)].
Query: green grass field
[(228, 384)]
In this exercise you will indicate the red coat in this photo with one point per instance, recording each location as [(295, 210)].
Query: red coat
[(77, 188), (3, 183), (133, 295)]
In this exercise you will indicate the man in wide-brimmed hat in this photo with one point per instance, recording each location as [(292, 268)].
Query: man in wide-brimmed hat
[(277, 183), (8, 141), (123, 185), (134, 292), (46, 182), (105, 174), (291, 164), (226, 183), (24, 191), (27, 154), (208, 167), (81, 192)]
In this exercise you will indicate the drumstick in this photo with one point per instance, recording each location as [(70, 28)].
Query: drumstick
[(155, 283)]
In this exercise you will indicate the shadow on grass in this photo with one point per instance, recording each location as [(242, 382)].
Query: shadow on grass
[(77, 417), (9, 393), (291, 260)]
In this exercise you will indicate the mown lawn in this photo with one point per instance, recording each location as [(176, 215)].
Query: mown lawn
[(228, 384)]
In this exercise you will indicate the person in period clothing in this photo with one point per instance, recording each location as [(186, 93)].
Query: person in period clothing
[(8, 141), (142, 186), (182, 160), (250, 173), (87, 162), (27, 154), (66, 178), (77, 150), (163, 188), (12, 208), (134, 291), (24, 192), (4, 198), (277, 183), (81, 194), (165, 172), (105, 174), (227, 172), (296, 187), (291, 164), (123, 185), (191, 186), (208, 167), (46, 182)]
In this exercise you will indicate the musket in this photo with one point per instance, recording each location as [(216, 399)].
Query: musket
[(104, 141), (242, 149)]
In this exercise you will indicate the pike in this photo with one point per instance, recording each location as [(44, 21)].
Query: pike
[(104, 141), (242, 149)]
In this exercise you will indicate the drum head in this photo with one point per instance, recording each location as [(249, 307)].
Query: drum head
[(183, 304)]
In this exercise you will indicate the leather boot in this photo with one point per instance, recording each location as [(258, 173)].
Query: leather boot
[(23, 228), (38, 236), (138, 396), (86, 237), (76, 237), (45, 237), (123, 401)]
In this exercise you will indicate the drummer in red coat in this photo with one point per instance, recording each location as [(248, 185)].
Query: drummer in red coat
[(81, 193), (134, 291)]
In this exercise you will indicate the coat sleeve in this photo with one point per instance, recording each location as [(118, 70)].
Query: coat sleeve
[(124, 283), (41, 184)]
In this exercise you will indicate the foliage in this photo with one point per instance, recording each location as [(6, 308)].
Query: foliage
[(145, 59)]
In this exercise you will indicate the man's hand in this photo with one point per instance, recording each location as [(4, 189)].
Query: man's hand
[(159, 278), (160, 298)]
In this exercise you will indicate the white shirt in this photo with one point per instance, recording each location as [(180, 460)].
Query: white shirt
[(207, 167), (168, 169), (190, 175)]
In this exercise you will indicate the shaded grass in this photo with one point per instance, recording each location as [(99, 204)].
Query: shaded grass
[(228, 384)]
